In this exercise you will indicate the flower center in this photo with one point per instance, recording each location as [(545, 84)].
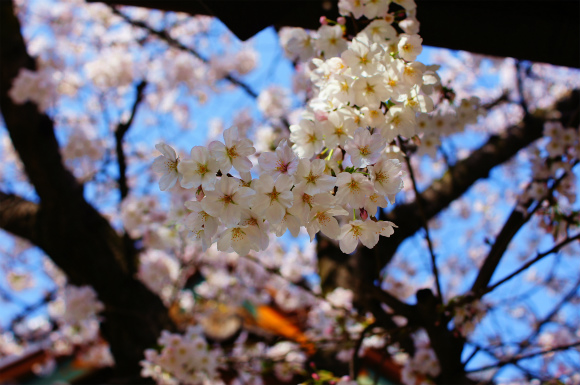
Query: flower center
[(370, 89), (273, 195), (237, 234), (321, 217), (227, 199), (363, 60), (382, 177), (232, 153), (312, 178), (282, 167), (202, 169), (354, 186), (364, 151)]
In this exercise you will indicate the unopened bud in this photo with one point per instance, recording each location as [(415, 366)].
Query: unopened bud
[(341, 20), (364, 214), (323, 20), (199, 194)]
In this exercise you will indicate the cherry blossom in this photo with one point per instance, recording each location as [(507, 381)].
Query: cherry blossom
[(353, 189), (282, 162), (166, 164), (355, 231), (227, 200), (312, 175), (273, 197), (364, 149), (234, 152), (199, 171)]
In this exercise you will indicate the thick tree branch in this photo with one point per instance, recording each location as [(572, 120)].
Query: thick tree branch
[(497, 150), (513, 224), (77, 238), (19, 216), (512, 34)]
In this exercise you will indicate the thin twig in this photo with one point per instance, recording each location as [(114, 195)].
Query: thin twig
[(420, 204), (475, 351), (492, 354), (163, 35), (298, 284), (522, 357), (539, 257), (517, 219), (49, 296), (120, 132), (355, 362), (549, 316)]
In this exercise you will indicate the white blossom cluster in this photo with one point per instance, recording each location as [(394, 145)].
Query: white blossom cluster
[(75, 313), (111, 69), (233, 283), (190, 359), (184, 359), (366, 93), (75, 304), (423, 367), (159, 272), (445, 121), (39, 87), (554, 180), (290, 193)]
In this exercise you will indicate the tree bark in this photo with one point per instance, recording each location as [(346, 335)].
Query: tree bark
[(72, 232)]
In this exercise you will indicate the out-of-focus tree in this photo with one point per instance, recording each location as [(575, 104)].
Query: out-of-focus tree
[(434, 216)]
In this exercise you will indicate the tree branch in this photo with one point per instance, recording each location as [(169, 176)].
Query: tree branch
[(76, 237), (19, 216), (538, 257), (522, 357), (497, 150), (420, 205), (514, 223), (163, 35), (120, 132)]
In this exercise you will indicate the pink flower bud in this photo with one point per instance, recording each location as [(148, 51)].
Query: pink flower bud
[(199, 194), (364, 214), (323, 20), (341, 20)]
